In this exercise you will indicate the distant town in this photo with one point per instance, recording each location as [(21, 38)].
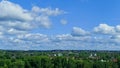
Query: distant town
[(59, 59)]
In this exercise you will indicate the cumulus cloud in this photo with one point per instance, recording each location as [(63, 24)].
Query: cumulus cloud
[(47, 11), (15, 12), (45, 21), (76, 31), (107, 29), (104, 29), (18, 17), (63, 21), (34, 37), (63, 41), (69, 37), (17, 23), (15, 32), (118, 28)]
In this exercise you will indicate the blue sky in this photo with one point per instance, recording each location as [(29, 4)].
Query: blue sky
[(82, 13), (56, 24)]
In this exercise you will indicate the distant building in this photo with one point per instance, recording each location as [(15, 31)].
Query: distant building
[(95, 54), (55, 55), (103, 60), (59, 54)]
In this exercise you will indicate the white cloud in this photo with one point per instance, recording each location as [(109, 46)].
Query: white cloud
[(108, 30), (47, 11), (43, 21), (15, 32), (12, 11), (34, 37), (22, 19), (118, 28), (17, 23), (104, 29), (63, 21), (69, 37), (76, 31)]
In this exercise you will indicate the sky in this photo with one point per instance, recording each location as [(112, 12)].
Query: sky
[(60, 24)]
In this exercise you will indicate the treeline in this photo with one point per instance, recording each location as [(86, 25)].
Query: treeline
[(85, 59), (55, 62)]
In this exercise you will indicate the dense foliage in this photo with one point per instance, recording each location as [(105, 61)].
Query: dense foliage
[(59, 59)]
